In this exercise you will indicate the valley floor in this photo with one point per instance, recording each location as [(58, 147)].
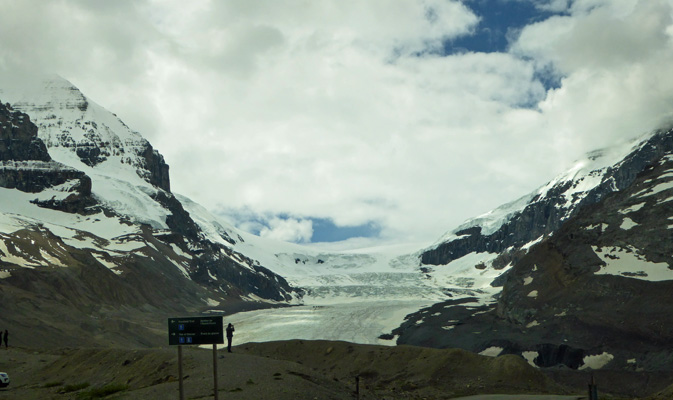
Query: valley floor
[(294, 369)]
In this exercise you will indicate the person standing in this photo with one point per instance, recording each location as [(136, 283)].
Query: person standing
[(5, 337), (230, 336)]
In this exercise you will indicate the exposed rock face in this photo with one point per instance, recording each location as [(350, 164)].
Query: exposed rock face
[(18, 137), (26, 165), (544, 212), (35, 176), (214, 269), (156, 167), (179, 220)]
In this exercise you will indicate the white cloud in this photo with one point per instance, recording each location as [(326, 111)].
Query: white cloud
[(613, 59), (557, 6), (288, 230), (600, 38), (343, 109)]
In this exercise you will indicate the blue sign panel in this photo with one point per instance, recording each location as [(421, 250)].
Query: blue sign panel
[(195, 330)]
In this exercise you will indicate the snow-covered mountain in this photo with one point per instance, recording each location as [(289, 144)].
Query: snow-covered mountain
[(517, 224), (587, 268), (87, 219)]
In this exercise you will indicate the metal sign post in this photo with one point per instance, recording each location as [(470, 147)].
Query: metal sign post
[(181, 387), (195, 330), (215, 370)]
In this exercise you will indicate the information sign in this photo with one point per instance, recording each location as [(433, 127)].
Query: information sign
[(195, 330)]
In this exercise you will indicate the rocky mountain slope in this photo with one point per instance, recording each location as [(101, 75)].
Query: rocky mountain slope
[(544, 211), (93, 245), (587, 272)]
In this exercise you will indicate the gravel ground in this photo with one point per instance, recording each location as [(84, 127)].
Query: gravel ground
[(278, 370), (518, 397)]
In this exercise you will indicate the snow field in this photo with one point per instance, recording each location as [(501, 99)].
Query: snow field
[(627, 262)]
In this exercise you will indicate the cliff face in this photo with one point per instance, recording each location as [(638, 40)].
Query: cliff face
[(154, 168), (18, 137)]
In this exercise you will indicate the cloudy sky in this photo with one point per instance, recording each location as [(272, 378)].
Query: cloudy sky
[(392, 120)]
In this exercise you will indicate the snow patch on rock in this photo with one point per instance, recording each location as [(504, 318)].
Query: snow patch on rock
[(596, 361), (628, 263)]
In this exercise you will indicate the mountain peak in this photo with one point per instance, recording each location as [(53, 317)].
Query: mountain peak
[(44, 93), (80, 133)]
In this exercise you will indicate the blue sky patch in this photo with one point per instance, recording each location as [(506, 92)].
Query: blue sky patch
[(500, 19), (324, 230)]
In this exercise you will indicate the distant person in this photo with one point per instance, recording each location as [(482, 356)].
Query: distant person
[(230, 335), (5, 337)]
